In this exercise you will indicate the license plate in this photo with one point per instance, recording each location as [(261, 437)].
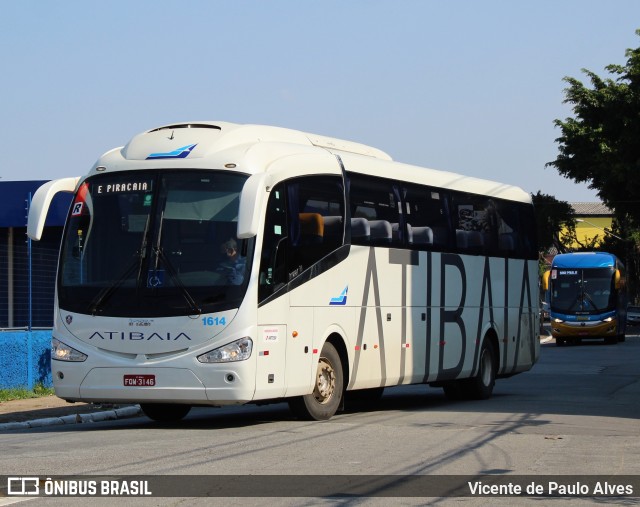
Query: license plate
[(139, 380)]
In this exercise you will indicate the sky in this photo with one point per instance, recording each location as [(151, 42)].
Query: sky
[(467, 86)]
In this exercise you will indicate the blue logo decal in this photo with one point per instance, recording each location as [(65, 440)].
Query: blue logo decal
[(341, 300), (182, 152)]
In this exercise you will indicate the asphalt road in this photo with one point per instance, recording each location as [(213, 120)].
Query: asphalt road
[(576, 412)]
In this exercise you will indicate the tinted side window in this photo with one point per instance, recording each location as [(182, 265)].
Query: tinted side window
[(304, 223), (517, 232), (427, 217), (375, 212), (316, 220), (494, 227), (474, 218)]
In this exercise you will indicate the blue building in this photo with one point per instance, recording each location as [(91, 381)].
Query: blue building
[(27, 269), (27, 285)]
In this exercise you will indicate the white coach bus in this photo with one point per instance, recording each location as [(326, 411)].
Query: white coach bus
[(213, 263)]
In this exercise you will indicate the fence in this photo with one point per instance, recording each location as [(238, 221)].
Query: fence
[(27, 279), (27, 288), (27, 285)]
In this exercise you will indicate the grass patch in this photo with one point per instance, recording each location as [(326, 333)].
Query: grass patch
[(22, 393)]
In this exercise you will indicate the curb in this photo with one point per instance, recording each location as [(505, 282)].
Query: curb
[(109, 415)]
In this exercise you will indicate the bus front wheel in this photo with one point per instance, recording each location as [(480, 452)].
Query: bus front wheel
[(327, 394), (165, 412)]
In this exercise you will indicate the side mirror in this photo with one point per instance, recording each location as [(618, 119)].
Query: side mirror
[(618, 279), (42, 200), (251, 201), (545, 280)]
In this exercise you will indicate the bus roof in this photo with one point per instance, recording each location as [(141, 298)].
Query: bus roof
[(584, 260), (254, 148), (206, 138)]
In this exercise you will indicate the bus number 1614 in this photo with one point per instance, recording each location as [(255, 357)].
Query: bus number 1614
[(214, 321)]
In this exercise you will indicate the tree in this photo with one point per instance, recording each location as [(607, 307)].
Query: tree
[(552, 216), (600, 145)]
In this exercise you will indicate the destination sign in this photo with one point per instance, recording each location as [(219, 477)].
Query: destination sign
[(125, 186)]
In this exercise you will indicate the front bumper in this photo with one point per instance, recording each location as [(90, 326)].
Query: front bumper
[(597, 329), (172, 385)]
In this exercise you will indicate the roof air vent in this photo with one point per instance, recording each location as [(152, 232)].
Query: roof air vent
[(187, 126)]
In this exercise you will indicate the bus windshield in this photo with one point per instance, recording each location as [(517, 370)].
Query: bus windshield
[(154, 243), (585, 291)]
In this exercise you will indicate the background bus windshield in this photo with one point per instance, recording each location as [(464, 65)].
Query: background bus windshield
[(582, 290)]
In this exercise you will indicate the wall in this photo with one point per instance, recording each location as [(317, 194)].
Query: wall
[(25, 359), (585, 231)]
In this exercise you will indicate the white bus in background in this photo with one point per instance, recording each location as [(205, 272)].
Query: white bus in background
[(213, 263)]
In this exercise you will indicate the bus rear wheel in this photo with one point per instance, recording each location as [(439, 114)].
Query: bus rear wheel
[(165, 412), (479, 387), (327, 394)]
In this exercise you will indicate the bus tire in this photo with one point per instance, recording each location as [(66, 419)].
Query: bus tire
[(328, 390), (165, 412), (480, 387)]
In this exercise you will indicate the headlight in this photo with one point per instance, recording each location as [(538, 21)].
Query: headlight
[(608, 319), (558, 321), (238, 350), (62, 352)]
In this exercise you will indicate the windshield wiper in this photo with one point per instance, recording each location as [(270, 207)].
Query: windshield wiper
[(193, 305), (138, 257), (587, 297), (581, 301), (160, 255), (105, 294)]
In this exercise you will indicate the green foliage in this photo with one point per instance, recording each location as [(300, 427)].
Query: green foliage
[(599, 145), (22, 393), (552, 216)]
